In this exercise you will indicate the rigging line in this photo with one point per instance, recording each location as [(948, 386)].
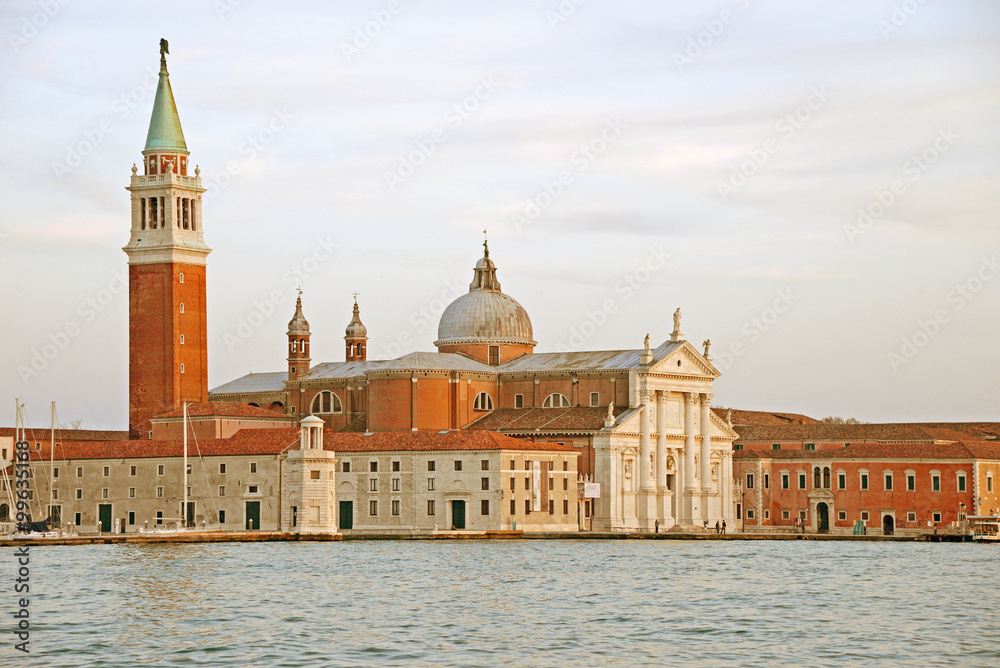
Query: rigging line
[(204, 470)]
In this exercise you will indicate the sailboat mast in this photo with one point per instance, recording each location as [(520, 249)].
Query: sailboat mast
[(52, 450), (184, 508)]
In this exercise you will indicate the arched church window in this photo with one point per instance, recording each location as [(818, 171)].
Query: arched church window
[(360, 349), (483, 402), (826, 478), (556, 400), (817, 483), (326, 402)]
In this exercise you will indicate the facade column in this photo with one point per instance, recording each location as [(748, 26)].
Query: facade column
[(706, 454), (663, 510), (690, 484), (646, 499)]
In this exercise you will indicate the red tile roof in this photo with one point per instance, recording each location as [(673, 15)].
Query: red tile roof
[(576, 418), (850, 433), (243, 442), (762, 418), (225, 409), (899, 451), (43, 434), (454, 439)]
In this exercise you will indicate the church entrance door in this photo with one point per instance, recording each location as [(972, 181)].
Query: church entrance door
[(822, 517), (888, 525)]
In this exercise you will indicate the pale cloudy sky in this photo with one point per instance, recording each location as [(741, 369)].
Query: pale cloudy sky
[(707, 156)]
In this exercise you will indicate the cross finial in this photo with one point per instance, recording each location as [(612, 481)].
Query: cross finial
[(355, 295), (299, 289)]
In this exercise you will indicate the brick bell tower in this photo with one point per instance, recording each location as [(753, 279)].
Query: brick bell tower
[(168, 352), (298, 343)]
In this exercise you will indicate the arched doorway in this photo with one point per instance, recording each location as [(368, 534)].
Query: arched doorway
[(822, 517), (888, 525)]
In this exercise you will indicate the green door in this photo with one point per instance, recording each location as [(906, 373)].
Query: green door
[(458, 514), (253, 515), (104, 517), (346, 514)]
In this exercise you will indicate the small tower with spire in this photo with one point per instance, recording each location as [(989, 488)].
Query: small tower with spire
[(356, 337), (168, 350), (298, 342)]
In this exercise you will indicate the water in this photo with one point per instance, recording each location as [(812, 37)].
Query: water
[(516, 603)]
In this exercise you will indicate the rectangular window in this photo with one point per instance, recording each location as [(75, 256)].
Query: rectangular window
[(395, 507), (222, 469), (513, 484), (749, 513), (458, 464), (911, 517), (252, 489), (552, 506), (518, 401), (395, 466), (961, 483), (737, 447), (55, 494), (864, 515), (107, 471), (810, 446), (565, 506), (784, 481), (346, 467), (565, 484), (253, 467), (373, 467), (911, 482), (430, 484), (935, 483), (936, 517), (159, 469), (77, 519), (395, 484), (513, 507), (484, 465), (864, 481), (527, 506), (131, 492), (802, 481), (222, 490), (527, 483), (767, 514), (776, 446), (373, 508), (430, 506), (550, 483), (373, 485), (55, 471), (159, 492), (767, 481), (159, 517), (785, 514), (430, 465), (222, 517), (314, 475), (842, 515), (841, 481), (486, 483), (888, 482), (131, 517), (595, 399), (484, 507), (749, 480), (79, 471), (989, 483), (79, 493), (131, 470), (494, 355)]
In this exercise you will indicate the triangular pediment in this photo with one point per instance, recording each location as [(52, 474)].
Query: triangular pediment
[(692, 362)]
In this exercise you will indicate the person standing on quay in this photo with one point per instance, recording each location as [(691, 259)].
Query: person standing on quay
[(723, 526), (718, 528)]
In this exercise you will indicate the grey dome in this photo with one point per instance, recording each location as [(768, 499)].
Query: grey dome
[(298, 325), (485, 314), (356, 330)]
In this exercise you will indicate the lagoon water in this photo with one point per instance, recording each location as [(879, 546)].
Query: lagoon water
[(516, 603)]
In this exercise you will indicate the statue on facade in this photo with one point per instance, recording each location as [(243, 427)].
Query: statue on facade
[(707, 344), (611, 411), (677, 320), (645, 343)]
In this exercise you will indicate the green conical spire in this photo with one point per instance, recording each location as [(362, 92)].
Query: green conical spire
[(165, 125)]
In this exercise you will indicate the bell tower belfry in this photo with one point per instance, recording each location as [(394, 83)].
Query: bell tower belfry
[(168, 351), (298, 342)]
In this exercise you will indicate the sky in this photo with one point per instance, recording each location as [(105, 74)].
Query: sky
[(814, 185)]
